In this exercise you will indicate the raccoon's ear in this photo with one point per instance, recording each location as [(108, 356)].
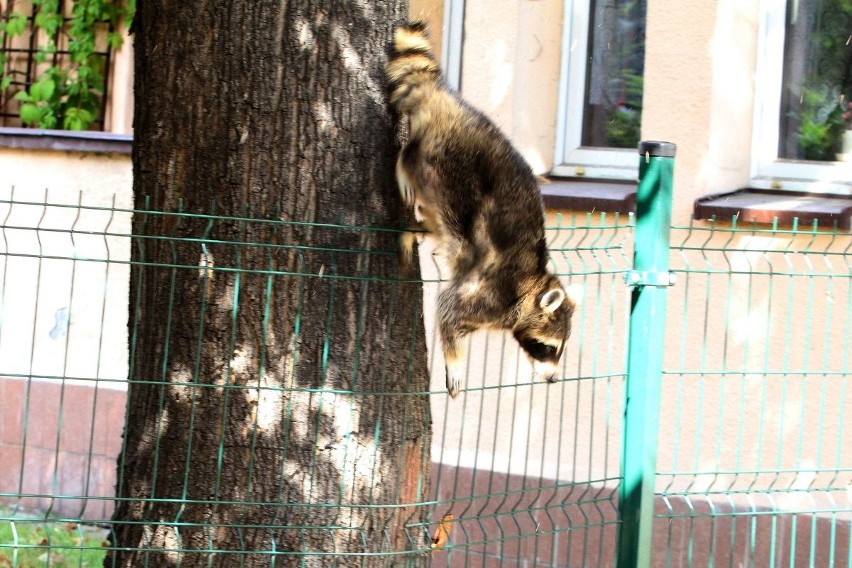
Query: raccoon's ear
[(552, 299)]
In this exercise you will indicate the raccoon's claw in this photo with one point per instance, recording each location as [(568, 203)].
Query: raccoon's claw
[(453, 383), (405, 254), (406, 191), (407, 194)]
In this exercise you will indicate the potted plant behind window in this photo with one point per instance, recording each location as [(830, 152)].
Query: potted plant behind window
[(820, 124)]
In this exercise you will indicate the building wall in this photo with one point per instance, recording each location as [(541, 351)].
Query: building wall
[(510, 70), (60, 301), (699, 88), (31, 173), (64, 285)]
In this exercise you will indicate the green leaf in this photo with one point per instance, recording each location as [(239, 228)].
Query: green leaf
[(17, 24), (58, 75), (5, 82), (49, 88), (87, 116), (91, 105), (48, 120), (115, 40), (72, 124), (43, 90), (23, 96), (35, 92), (41, 19), (30, 113), (77, 119), (49, 21), (131, 12)]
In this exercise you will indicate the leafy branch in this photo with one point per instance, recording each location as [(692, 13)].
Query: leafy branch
[(68, 92)]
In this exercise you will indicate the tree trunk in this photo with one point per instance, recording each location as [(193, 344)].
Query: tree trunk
[(271, 420)]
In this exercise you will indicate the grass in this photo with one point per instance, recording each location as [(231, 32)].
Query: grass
[(32, 542)]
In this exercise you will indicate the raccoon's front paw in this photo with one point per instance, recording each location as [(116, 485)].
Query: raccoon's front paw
[(453, 381)]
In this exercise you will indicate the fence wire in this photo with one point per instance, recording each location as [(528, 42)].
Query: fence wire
[(754, 463)]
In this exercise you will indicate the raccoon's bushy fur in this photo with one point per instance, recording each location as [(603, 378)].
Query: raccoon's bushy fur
[(474, 193)]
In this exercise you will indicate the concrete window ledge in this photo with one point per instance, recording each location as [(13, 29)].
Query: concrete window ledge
[(587, 195), (763, 206), (65, 140)]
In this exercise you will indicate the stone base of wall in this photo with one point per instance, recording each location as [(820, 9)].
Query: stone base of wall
[(59, 440)]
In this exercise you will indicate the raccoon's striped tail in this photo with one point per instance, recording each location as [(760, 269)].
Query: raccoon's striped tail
[(412, 71)]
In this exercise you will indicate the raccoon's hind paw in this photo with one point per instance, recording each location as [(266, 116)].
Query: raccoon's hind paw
[(406, 190), (405, 253)]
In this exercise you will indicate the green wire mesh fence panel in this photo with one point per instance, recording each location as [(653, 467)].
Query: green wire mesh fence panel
[(529, 471), (755, 460), (63, 367)]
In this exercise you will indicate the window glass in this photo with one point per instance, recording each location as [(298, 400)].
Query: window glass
[(817, 80), (613, 108)]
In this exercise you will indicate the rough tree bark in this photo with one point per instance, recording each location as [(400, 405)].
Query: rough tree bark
[(270, 362)]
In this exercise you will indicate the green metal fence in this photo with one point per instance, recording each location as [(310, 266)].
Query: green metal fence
[(755, 466), (753, 458)]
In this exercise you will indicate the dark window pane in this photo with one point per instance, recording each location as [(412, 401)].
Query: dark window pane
[(613, 111), (817, 79)]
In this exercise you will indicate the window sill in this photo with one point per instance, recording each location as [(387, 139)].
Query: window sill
[(764, 206), (67, 141), (586, 195)]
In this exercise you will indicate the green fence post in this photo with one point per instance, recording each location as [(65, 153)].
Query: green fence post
[(649, 278)]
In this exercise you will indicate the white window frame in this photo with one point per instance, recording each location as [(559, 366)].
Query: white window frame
[(452, 42), (571, 157), (767, 170)]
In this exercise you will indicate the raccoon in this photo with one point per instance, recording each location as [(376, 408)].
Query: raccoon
[(473, 193)]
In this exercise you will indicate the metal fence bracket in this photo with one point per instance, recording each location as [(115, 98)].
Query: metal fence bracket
[(637, 278)]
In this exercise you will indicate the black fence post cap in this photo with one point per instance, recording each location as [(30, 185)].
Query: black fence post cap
[(657, 149)]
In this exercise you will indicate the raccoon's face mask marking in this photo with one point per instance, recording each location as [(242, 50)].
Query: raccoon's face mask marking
[(540, 351), (544, 357), (543, 336)]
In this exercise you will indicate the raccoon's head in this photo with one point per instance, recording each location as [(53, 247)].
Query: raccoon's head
[(543, 326)]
